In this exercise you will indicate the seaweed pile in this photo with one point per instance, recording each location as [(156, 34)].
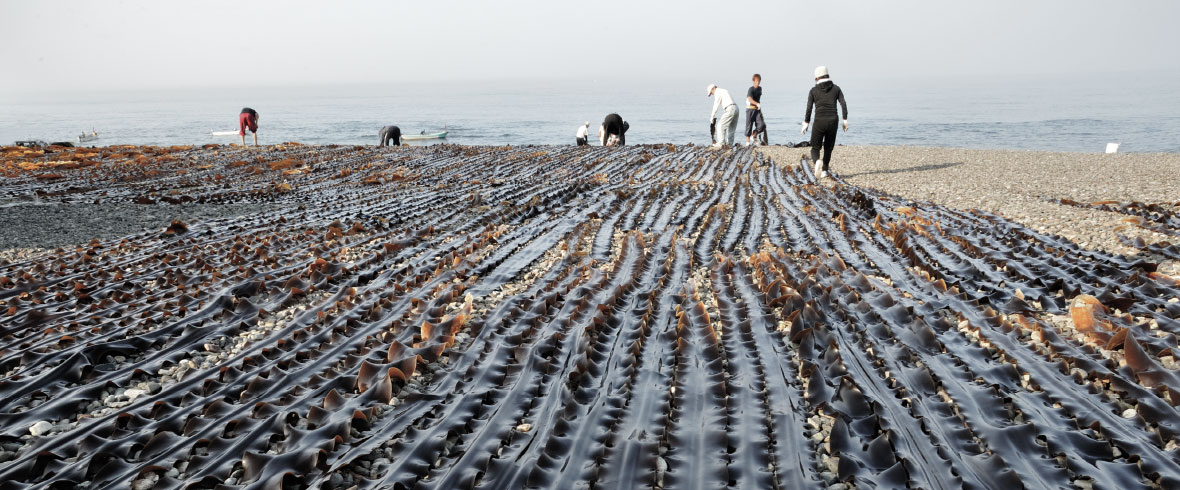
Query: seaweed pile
[(648, 316)]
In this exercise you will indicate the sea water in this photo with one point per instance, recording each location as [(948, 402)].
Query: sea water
[(1063, 114)]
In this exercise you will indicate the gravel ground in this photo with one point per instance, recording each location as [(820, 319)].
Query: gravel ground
[(1017, 184), (33, 228)]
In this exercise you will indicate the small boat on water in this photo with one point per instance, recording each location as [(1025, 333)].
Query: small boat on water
[(425, 136), (84, 137)]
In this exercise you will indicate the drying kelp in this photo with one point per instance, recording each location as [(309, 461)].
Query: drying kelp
[(461, 317)]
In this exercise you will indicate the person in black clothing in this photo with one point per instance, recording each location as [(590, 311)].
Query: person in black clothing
[(390, 133), (824, 96), (755, 124), (613, 125)]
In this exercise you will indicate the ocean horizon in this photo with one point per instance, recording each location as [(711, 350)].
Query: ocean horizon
[(1074, 114)]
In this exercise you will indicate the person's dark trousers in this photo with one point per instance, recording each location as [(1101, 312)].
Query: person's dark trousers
[(823, 134), (581, 141), (755, 124)]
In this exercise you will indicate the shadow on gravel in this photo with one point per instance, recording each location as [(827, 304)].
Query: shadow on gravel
[(918, 168), (54, 224)]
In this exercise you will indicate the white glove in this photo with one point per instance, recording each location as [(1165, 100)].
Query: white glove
[(804, 130), (845, 125)]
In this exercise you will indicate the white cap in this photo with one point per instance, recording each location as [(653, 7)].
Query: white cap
[(821, 71), (587, 123), (709, 89)]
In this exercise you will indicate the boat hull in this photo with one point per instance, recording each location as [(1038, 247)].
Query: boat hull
[(427, 136)]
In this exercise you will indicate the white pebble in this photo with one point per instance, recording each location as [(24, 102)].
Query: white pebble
[(39, 428)]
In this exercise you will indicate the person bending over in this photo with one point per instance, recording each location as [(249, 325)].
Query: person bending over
[(248, 119), (390, 133), (583, 134), (755, 124), (824, 96), (613, 131), (727, 123)]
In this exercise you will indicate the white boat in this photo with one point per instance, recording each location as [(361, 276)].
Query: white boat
[(224, 133), (84, 137), (425, 136)]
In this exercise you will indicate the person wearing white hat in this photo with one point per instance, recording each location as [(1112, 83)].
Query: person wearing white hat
[(727, 125), (824, 96), (583, 134)]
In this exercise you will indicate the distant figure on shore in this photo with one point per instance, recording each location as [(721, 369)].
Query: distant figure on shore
[(613, 131), (248, 119), (824, 96), (755, 123), (390, 133), (583, 134), (727, 123)]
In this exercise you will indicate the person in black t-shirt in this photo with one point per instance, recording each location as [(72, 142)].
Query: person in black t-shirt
[(613, 131), (390, 133), (755, 124)]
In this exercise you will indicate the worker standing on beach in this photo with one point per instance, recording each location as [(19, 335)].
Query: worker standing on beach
[(727, 124), (613, 130), (389, 133), (583, 134), (824, 96), (755, 124), (248, 119)]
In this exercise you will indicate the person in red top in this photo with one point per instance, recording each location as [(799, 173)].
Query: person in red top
[(248, 119)]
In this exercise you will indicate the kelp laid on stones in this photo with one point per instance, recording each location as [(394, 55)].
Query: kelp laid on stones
[(559, 317)]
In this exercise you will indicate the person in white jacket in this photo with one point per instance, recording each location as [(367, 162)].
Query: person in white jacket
[(582, 134), (727, 124)]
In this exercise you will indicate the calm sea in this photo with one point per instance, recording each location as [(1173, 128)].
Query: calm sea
[(1064, 114)]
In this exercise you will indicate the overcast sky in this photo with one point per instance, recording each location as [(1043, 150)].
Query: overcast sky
[(54, 45)]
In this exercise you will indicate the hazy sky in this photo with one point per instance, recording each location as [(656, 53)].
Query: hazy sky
[(54, 45)]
